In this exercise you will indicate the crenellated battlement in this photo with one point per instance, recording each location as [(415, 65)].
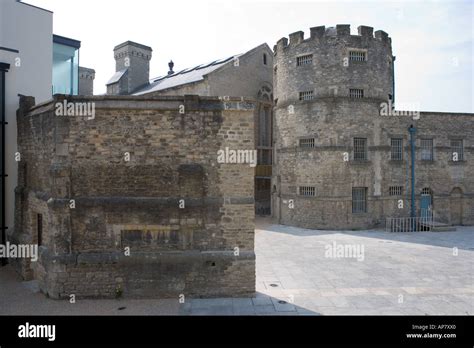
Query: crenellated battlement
[(321, 33), (333, 63)]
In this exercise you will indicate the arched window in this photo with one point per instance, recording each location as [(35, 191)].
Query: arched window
[(264, 59), (457, 191)]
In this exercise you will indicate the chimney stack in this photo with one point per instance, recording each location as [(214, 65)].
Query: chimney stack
[(132, 68), (86, 81)]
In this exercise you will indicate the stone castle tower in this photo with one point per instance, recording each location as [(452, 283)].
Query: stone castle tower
[(328, 91), (331, 62)]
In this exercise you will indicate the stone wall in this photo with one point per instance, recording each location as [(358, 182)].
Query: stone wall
[(333, 123), (97, 205), (248, 75), (333, 119)]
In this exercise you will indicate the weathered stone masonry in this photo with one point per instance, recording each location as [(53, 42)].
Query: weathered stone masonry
[(204, 249), (330, 119)]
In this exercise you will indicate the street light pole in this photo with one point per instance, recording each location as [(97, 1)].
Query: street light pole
[(412, 131)]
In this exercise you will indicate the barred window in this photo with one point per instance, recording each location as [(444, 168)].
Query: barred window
[(357, 56), (304, 60), (307, 191), (307, 95), (356, 93), (457, 150), (359, 200), (307, 142), (360, 149), (426, 149), (426, 191), (395, 190), (396, 153)]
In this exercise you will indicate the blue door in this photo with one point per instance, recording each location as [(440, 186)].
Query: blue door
[(426, 206)]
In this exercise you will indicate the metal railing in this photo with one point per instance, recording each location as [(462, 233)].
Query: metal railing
[(424, 222)]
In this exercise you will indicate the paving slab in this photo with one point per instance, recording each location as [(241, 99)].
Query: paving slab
[(400, 274)]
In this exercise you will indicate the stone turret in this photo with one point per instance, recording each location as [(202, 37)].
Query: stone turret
[(328, 91), (331, 62)]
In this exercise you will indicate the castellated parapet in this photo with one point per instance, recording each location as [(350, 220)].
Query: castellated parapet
[(338, 62)]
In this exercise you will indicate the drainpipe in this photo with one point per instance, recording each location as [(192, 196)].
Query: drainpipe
[(412, 131), (3, 70)]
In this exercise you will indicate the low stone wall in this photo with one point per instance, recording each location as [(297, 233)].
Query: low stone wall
[(147, 274)]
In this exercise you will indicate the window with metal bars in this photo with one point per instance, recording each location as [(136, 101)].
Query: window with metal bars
[(360, 149), (307, 142), (304, 60), (395, 190), (307, 191), (426, 191), (396, 153), (426, 149), (306, 95), (356, 93), (457, 149), (357, 56), (359, 200)]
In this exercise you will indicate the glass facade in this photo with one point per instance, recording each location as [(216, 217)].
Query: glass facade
[(65, 65)]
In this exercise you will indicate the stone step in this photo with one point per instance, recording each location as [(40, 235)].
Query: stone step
[(437, 226), (444, 228)]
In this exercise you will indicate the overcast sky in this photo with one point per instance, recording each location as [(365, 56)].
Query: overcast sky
[(432, 40)]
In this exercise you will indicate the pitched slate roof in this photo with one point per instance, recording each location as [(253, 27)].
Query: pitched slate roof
[(184, 76), (117, 76)]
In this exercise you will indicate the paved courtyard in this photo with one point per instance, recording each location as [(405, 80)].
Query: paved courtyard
[(308, 272)]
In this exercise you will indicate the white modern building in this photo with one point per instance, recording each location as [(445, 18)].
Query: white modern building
[(26, 59), (33, 62)]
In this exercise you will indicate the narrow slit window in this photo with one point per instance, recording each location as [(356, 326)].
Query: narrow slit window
[(39, 227)]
